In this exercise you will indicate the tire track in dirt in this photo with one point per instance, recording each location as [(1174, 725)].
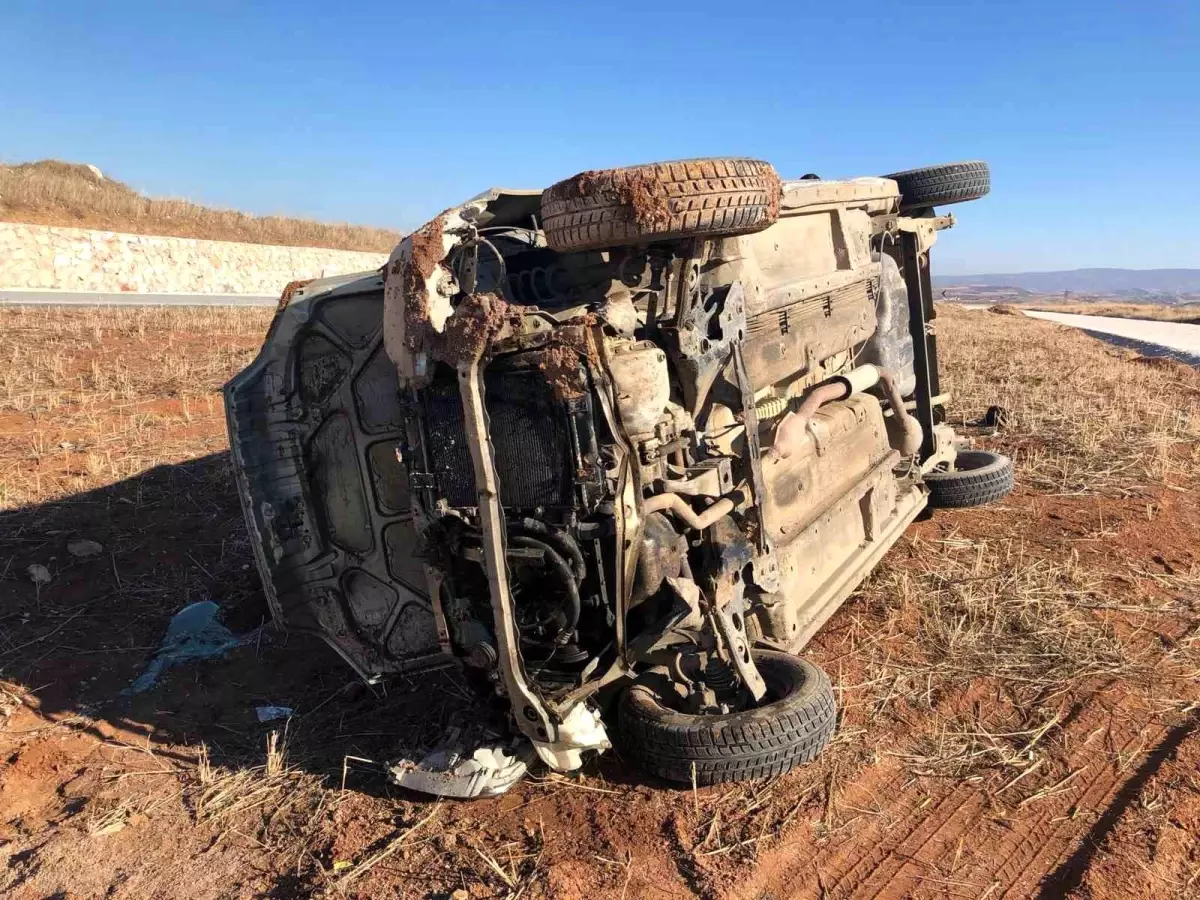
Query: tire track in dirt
[(922, 830), (1061, 820), (1070, 871), (892, 876), (865, 864)]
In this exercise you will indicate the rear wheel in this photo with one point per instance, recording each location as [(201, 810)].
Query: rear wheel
[(792, 726), (937, 185), (660, 201), (979, 477)]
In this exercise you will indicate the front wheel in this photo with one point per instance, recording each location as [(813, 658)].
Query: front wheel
[(791, 726)]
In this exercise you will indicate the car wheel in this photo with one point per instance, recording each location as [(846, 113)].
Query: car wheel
[(659, 202), (938, 185), (979, 477), (792, 726)]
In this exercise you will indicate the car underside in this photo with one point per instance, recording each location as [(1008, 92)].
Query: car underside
[(620, 448)]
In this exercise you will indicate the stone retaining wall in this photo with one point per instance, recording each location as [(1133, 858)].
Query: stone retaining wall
[(75, 259)]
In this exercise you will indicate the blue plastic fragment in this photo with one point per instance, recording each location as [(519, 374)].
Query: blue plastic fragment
[(194, 633)]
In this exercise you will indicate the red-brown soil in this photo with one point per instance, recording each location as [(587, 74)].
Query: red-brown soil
[(1017, 684)]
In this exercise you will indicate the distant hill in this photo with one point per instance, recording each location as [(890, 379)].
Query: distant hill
[(74, 195), (1163, 283)]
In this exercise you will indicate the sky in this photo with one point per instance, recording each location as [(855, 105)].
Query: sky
[(384, 113)]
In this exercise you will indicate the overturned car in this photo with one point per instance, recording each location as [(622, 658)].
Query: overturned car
[(620, 447)]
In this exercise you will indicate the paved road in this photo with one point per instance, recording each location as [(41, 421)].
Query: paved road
[(1182, 340), (87, 298)]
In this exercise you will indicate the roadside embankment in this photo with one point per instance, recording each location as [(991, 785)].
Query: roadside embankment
[(75, 259)]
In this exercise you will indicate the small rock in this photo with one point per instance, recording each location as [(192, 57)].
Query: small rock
[(82, 547), (38, 574), (271, 713)]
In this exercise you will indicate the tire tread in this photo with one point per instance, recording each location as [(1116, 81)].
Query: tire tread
[(967, 488), (708, 196), (759, 743), (937, 185)]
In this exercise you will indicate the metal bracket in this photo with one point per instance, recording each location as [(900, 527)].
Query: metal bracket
[(530, 714), (766, 567), (433, 581), (422, 481), (920, 313), (730, 620)]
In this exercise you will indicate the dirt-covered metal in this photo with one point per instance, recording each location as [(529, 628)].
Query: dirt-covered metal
[(569, 461)]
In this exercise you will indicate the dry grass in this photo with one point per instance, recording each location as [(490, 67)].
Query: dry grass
[(998, 642), (964, 659), (995, 640), (69, 195), (74, 416), (1083, 419)]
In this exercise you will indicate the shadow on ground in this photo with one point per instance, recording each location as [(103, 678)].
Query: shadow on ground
[(1151, 351), (171, 536)]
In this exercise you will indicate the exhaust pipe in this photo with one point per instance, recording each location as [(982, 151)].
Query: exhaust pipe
[(790, 434)]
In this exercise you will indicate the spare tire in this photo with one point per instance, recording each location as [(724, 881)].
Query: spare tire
[(979, 477), (791, 727), (936, 185), (660, 202)]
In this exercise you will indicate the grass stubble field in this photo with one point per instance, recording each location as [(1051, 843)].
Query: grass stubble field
[(1017, 685), (71, 195)]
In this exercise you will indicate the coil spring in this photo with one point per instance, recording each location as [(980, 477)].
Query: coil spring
[(531, 287)]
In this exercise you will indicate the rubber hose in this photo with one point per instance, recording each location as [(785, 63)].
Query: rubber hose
[(561, 541), (560, 567)]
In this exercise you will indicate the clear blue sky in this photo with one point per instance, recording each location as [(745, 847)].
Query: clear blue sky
[(386, 112)]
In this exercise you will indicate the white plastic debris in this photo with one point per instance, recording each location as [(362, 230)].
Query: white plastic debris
[(581, 729), (271, 713), (38, 574), (456, 770), (82, 547)]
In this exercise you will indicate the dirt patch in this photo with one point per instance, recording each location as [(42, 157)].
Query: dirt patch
[(425, 256), (472, 325), (561, 362), (427, 251), (291, 289), (1014, 683), (476, 322), (637, 189)]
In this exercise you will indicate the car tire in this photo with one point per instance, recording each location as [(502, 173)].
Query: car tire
[(660, 202), (791, 728), (937, 185), (979, 477)]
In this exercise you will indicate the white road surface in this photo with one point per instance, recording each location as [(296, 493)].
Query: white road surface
[(89, 298), (1175, 336)]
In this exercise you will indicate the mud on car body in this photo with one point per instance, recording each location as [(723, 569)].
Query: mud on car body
[(621, 447)]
